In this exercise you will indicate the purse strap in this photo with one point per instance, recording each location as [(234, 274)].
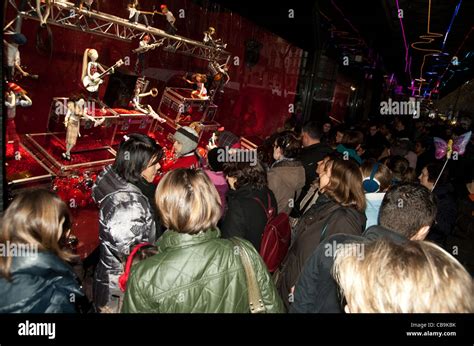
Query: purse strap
[(268, 211), (255, 296)]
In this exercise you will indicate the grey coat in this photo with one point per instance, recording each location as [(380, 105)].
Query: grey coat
[(125, 219), (286, 179)]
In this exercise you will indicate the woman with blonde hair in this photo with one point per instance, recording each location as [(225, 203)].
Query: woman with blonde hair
[(195, 270), (339, 209), (34, 275), (413, 277), (91, 68)]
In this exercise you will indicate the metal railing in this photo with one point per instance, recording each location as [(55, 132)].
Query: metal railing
[(66, 15)]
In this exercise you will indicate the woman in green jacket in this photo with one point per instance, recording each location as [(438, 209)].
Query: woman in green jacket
[(195, 270)]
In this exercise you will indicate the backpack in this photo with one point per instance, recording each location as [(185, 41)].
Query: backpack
[(276, 237)]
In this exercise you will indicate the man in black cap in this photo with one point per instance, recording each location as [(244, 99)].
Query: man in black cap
[(13, 55)]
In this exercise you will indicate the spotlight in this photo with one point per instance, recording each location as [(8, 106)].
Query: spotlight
[(353, 88)]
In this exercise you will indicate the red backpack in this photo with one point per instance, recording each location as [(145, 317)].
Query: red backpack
[(276, 237)]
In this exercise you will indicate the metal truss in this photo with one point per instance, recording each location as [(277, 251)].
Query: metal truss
[(66, 15)]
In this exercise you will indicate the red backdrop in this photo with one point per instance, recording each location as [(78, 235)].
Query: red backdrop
[(255, 102)]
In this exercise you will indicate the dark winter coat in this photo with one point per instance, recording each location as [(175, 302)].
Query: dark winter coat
[(310, 156), (445, 216), (316, 290), (461, 242), (125, 219), (39, 284), (323, 219), (245, 217), (198, 273)]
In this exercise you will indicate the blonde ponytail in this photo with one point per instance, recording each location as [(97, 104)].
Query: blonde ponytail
[(85, 61)]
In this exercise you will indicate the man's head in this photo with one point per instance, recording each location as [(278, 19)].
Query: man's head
[(310, 134), (353, 139), (373, 128), (408, 209)]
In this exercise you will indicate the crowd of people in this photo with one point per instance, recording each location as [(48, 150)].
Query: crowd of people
[(377, 225)]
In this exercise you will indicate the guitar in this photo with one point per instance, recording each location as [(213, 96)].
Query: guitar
[(92, 84), (140, 50)]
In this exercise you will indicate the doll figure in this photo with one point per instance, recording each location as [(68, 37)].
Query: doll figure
[(134, 13), (15, 96), (76, 109), (91, 76), (146, 109), (199, 80), (210, 40), (170, 28)]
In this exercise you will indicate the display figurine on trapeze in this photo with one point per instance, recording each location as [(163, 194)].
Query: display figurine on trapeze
[(76, 109), (15, 96), (12, 41), (143, 47), (135, 14), (146, 109), (84, 3), (171, 27), (199, 80), (210, 41), (91, 78)]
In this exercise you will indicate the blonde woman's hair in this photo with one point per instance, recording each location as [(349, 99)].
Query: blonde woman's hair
[(85, 61), (38, 218), (413, 277), (188, 201)]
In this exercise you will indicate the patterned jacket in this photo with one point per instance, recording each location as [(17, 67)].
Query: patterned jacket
[(125, 219)]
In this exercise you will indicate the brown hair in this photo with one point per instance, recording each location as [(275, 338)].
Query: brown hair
[(246, 174), (187, 201), (400, 167), (383, 174), (352, 139), (289, 144), (413, 277), (345, 184), (38, 218)]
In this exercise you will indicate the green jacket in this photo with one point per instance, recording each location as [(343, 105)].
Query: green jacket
[(197, 273)]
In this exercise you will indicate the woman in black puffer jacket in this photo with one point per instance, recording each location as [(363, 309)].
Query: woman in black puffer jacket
[(34, 275), (125, 194)]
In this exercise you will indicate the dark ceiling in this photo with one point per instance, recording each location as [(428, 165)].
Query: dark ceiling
[(372, 29)]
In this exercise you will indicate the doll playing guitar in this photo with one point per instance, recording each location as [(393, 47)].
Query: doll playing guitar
[(91, 78)]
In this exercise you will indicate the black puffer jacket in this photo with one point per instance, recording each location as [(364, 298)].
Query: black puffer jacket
[(323, 219), (245, 218), (316, 290), (445, 216), (39, 284), (125, 219)]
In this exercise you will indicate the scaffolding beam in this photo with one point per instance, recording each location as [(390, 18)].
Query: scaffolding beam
[(66, 15)]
